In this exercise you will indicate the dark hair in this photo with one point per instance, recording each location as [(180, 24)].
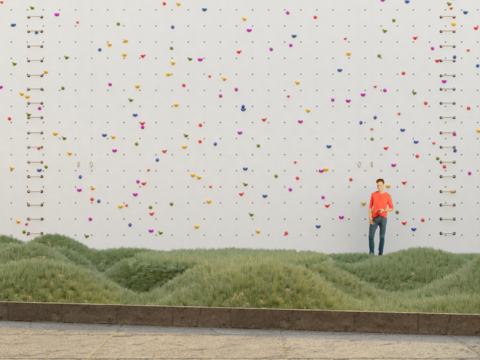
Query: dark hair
[(381, 181)]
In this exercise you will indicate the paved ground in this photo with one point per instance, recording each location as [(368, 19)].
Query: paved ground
[(23, 340)]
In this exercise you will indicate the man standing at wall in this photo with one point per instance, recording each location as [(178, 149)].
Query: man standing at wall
[(378, 207)]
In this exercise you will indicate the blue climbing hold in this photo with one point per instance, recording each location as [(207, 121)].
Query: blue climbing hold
[(454, 56), (243, 109), (361, 122), (294, 36), (478, 65), (129, 224), (39, 170), (407, 1), (375, 117), (339, 70), (329, 146), (264, 196), (415, 141), (104, 135), (245, 168), (243, 106), (318, 226), (135, 115), (454, 150), (413, 229), (157, 159), (465, 12), (173, 27), (99, 49), (80, 176), (36, 32), (204, 9), (13, 25), (214, 144), (98, 201), (402, 130)]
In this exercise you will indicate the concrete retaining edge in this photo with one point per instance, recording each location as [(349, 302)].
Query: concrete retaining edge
[(245, 318)]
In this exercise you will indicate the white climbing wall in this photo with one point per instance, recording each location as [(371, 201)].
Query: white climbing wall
[(336, 94)]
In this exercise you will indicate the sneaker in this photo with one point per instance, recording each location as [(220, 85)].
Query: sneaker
[(380, 254)]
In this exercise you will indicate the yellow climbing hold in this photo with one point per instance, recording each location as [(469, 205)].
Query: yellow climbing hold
[(184, 146), (325, 169), (137, 86), (109, 45), (307, 110), (387, 186), (11, 168), (171, 62), (244, 19), (453, 24), (209, 201), (120, 206), (297, 82), (348, 54), (113, 137), (478, 130), (69, 153), (363, 203), (257, 231), (55, 133), (168, 74), (192, 175), (125, 41), (199, 177), (27, 96), (21, 94), (197, 226), (178, 4), (45, 72), (224, 79), (452, 191), (18, 221), (176, 105), (91, 187), (124, 55)]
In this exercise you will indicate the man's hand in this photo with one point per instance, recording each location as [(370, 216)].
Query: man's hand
[(371, 221)]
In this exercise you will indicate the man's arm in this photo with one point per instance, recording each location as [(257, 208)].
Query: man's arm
[(370, 207)]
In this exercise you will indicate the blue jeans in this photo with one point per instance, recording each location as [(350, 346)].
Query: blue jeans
[(377, 221)]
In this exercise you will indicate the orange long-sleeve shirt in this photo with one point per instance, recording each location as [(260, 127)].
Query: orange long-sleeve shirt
[(380, 201)]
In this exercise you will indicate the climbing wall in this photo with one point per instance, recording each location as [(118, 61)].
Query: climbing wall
[(257, 124)]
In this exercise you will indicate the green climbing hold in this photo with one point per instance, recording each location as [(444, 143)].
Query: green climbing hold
[(63, 88), (393, 20), (185, 135), (449, 3), (171, 204), (396, 211), (245, 184), (379, 56), (171, 47), (250, 214), (32, 8), (86, 235), (437, 158), (258, 145), (14, 64), (66, 57), (136, 144), (64, 138), (189, 59), (118, 24), (414, 93), (24, 232), (150, 206), (160, 232), (29, 114), (384, 31), (46, 166), (276, 176), (130, 99), (371, 139)]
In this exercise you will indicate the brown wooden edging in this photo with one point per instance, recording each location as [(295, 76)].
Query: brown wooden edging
[(245, 318)]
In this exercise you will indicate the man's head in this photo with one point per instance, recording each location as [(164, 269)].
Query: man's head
[(380, 184)]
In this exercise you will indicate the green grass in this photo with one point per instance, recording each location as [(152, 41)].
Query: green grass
[(55, 268)]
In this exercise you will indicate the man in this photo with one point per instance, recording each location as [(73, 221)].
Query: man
[(378, 201)]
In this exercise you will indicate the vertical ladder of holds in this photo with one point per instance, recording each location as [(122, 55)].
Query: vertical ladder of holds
[(34, 107), (446, 46)]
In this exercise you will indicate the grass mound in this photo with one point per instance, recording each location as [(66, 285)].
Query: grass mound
[(55, 268)]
